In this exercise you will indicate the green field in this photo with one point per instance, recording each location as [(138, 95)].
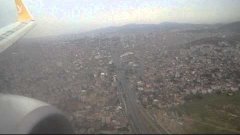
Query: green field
[(211, 114)]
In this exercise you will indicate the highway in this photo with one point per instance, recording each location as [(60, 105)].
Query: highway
[(140, 121)]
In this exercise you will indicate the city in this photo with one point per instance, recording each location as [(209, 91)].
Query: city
[(133, 79)]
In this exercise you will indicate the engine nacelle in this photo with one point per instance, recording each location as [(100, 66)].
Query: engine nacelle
[(22, 115)]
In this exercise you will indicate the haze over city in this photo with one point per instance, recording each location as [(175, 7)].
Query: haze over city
[(120, 67)]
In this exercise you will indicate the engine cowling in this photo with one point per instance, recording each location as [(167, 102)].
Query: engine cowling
[(23, 115)]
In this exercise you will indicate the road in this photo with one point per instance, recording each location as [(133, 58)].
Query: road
[(141, 122)]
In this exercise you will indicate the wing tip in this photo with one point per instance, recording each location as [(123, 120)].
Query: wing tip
[(23, 13)]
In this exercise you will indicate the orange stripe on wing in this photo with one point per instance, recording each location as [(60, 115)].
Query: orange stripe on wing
[(23, 13)]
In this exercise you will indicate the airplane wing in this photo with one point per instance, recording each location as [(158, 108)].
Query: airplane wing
[(23, 115), (11, 33)]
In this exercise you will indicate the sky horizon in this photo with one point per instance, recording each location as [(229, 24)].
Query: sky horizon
[(72, 16), (86, 15)]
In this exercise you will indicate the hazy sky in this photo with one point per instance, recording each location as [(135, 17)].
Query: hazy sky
[(62, 16), (7, 12), (91, 14), (105, 12)]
